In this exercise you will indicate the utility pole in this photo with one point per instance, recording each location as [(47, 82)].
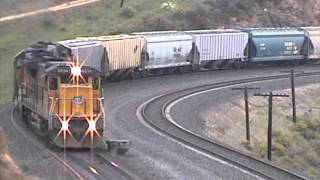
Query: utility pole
[(121, 4), (246, 102), (270, 96), (293, 94)]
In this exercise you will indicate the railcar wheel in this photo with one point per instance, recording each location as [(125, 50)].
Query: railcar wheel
[(25, 115), (144, 73), (195, 68)]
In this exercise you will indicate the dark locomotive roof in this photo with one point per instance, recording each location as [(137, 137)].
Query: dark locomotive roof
[(43, 51)]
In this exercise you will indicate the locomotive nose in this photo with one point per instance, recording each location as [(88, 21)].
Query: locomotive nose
[(77, 104)]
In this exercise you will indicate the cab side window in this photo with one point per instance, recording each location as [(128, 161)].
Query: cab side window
[(95, 84), (53, 83)]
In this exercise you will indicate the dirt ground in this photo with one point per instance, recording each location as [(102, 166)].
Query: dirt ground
[(8, 168)]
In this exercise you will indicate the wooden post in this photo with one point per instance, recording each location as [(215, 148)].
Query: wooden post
[(246, 102), (270, 96)]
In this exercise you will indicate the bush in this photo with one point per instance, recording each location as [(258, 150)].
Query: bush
[(281, 138), (301, 126), (247, 145), (158, 23), (47, 20), (260, 149), (309, 134), (127, 12), (278, 149)]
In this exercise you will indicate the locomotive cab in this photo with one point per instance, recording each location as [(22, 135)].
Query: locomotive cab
[(76, 111)]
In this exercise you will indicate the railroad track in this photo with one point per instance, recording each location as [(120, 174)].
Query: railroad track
[(155, 113), (81, 169), (97, 170), (121, 170), (56, 156)]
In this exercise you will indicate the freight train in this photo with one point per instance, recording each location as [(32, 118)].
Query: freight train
[(58, 85)]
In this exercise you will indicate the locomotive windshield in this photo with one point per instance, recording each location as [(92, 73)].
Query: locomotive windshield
[(67, 79)]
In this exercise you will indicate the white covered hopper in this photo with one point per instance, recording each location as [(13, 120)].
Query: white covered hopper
[(166, 49), (215, 45)]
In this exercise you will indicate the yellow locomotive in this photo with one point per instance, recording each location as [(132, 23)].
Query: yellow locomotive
[(58, 89)]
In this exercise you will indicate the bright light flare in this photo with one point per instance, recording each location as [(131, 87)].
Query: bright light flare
[(92, 125), (64, 125), (64, 130), (76, 66), (76, 70), (114, 164), (93, 170)]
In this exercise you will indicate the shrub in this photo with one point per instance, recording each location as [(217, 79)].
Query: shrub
[(127, 12), (158, 23), (301, 126), (47, 20), (247, 145), (281, 138), (260, 148), (278, 149), (309, 134)]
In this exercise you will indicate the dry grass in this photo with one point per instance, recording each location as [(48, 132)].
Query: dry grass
[(8, 168), (294, 145)]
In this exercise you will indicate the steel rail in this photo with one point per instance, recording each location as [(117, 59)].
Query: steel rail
[(54, 155), (117, 167), (157, 107)]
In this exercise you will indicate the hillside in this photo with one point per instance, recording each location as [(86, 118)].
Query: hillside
[(106, 17)]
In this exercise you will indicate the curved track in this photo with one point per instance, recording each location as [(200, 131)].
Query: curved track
[(155, 114)]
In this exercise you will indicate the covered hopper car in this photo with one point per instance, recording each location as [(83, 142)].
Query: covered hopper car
[(276, 45)]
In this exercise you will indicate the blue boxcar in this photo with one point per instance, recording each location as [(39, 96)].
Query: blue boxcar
[(276, 44)]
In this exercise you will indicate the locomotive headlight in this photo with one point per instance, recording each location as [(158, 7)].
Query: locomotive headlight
[(76, 71), (92, 125), (64, 125)]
